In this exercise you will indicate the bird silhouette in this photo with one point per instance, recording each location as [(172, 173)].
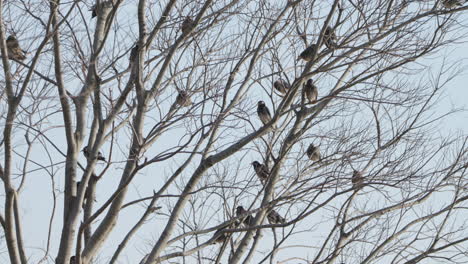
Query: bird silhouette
[(263, 113), (329, 37), (93, 11), (308, 53), (183, 99), (313, 152), (99, 156), (357, 180), (246, 221), (449, 4), (188, 25), (311, 91), (274, 218), (281, 86), (134, 53), (261, 170), (220, 237), (14, 50)]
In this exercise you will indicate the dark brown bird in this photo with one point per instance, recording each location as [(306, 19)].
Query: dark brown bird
[(247, 221), (308, 53), (311, 91), (99, 156), (357, 180), (187, 26), (313, 152), (263, 113), (261, 170), (329, 37), (183, 99), (14, 50), (220, 237), (275, 218), (72, 260), (449, 4), (134, 53), (93, 11), (281, 86)]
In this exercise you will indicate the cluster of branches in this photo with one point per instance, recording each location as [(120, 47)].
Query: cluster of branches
[(331, 101)]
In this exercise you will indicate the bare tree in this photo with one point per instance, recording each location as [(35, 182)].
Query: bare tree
[(130, 129)]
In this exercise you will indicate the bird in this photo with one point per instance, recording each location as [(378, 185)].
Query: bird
[(308, 53), (263, 112), (14, 50), (220, 236), (281, 86), (93, 11), (134, 53), (329, 37), (99, 156), (247, 221), (261, 170), (311, 91), (357, 180), (313, 152), (275, 218), (187, 25), (72, 260), (183, 99), (449, 4)]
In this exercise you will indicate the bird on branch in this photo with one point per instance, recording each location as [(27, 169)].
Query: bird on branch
[(14, 50), (311, 91)]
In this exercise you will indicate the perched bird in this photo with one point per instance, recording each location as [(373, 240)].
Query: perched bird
[(308, 53), (93, 11), (313, 152), (220, 237), (261, 170), (449, 4), (263, 112), (329, 37), (275, 218), (188, 25), (311, 91), (247, 221), (357, 180), (281, 86), (99, 156), (72, 260), (134, 53), (14, 50), (183, 99)]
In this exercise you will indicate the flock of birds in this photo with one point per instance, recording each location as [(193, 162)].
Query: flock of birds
[(261, 170)]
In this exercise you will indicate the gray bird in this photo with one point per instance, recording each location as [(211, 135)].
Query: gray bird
[(261, 170), (281, 86), (187, 26), (311, 91), (14, 50), (248, 220), (183, 99), (99, 156), (329, 37), (313, 152), (357, 180), (263, 112), (449, 4), (275, 218), (308, 53)]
